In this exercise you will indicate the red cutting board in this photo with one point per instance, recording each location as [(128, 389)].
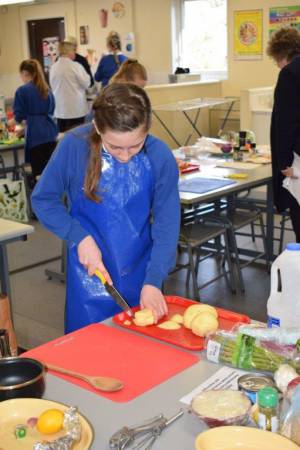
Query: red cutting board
[(102, 350), (183, 337)]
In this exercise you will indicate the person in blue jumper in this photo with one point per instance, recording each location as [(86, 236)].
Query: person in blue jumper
[(124, 212), (34, 103), (109, 64)]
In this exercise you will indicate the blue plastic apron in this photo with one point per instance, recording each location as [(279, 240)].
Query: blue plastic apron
[(120, 224)]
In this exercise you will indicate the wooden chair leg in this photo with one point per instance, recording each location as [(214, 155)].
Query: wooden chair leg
[(7, 324)]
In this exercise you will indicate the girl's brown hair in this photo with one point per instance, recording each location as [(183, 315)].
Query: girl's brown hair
[(33, 67), (113, 41), (119, 107), (284, 43), (129, 71)]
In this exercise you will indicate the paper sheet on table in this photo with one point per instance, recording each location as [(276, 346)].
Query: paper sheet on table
[(224, 378), (293, 184), (237, 165)]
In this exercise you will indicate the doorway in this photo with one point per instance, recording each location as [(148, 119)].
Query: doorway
[(44, 36)]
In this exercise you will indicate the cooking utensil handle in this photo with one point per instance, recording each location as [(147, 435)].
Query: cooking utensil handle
[(66, 371)]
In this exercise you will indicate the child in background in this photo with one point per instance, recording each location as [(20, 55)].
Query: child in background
[(131, 71), (34, 103), (109, 64)]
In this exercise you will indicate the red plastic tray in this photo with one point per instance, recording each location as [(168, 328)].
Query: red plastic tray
[(190, 168), (184, 337)]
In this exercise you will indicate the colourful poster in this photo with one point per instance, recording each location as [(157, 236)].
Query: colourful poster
[(248, 34), (50, 51), (284, 16)]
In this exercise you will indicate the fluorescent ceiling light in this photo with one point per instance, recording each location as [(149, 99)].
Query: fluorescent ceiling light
[(14, 2)]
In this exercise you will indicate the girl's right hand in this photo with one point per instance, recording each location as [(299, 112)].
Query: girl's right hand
[(90, 257)]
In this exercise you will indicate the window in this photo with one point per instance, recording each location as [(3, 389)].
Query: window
[(200, 37)]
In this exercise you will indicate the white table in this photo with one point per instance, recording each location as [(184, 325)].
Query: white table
[(184, 106), (107, 417), (10, 232)]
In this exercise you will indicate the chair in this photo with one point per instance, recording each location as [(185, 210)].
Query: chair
[(237, 216), (192, 238)]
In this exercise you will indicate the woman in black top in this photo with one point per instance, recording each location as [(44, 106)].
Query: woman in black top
[(284, 48)]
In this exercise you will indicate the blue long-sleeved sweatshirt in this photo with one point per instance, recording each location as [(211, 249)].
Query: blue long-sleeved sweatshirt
[(38, 112), (65, 174), (107, 68)]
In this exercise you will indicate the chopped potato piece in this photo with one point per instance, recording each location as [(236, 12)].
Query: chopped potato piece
[(204, 323), (169, 325), (178, 318), (193, 310), (143, 318), (127, 322)]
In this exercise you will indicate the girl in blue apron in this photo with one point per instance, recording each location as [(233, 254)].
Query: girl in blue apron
[(34, 103), (124, 213)]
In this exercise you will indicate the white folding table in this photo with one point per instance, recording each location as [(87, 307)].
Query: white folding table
[(184, 106)]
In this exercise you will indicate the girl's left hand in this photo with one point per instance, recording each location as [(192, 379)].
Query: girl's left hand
[(153, 299), (288, 172)]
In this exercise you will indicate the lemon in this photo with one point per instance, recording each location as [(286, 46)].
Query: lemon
[(50, 421)]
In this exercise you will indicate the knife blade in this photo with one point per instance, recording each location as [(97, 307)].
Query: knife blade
[(114, 293)]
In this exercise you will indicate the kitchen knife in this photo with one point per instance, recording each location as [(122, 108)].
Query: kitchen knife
[(114, 293)]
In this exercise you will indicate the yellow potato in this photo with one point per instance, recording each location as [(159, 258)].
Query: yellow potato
[(193, 310), (143, 318), (178, 318), (169, 325), (204, 323)]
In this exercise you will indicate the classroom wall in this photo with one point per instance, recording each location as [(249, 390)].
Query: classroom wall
[(150, 21), (251, 74)]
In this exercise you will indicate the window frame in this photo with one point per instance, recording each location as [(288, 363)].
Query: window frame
[(177, 21)]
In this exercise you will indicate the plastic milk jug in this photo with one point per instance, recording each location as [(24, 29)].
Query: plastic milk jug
[(284, 302)]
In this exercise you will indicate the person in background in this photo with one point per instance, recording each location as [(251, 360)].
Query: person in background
[(124, 210), (109, 64), (80, 59), (69, 81), (131, 71), (284, 49), (34, 103)]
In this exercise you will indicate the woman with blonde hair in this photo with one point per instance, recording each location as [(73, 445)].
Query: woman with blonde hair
[(110, 63), (124, 211), (131, 71), (69, 82), (34, 103)]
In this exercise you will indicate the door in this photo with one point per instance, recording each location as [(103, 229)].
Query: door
[(44, 36)]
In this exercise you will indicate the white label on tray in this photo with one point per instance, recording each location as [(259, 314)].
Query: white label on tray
[(213, 351)]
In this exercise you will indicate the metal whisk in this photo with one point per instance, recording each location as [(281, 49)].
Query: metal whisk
[(142, 437)]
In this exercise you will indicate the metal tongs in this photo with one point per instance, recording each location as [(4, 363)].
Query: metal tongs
[(142, 436)]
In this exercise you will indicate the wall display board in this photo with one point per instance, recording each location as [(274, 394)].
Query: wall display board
[(284, 16), (50, 51), (248, 34)]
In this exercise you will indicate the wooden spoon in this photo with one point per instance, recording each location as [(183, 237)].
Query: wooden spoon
[(107, 384)]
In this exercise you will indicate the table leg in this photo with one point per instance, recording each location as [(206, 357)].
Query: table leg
[(167, 129), (270, 221), (16, 175), (226, 118), (4, 276), (193, 123)]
